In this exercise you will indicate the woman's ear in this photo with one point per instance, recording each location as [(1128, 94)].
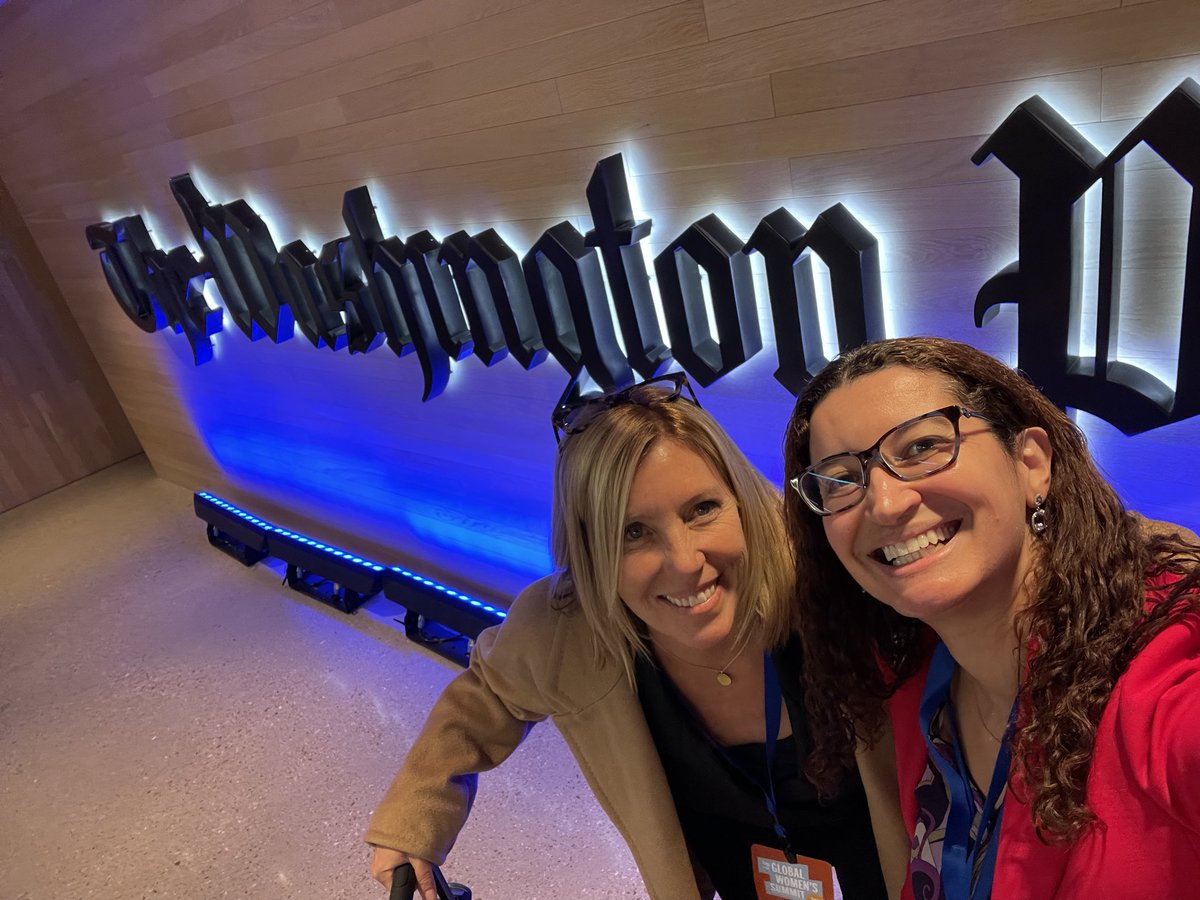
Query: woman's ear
[(1034, 455)]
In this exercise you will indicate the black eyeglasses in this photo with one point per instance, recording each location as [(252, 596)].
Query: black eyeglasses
[(913, 450), (574, 414)]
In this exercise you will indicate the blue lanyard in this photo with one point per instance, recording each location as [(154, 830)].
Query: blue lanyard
[(772, 713), (959, 853)]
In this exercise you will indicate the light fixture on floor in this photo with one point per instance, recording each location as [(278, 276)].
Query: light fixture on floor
[(231, 530), (318, 570), (323, 572), (436, 615)]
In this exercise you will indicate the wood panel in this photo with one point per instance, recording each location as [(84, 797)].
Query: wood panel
[(1040, 50), (851, 33), (59, 420), (883, 123), (479, 113), (726, 17)]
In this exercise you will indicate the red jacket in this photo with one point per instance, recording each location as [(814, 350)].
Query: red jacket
[(1144, 786)]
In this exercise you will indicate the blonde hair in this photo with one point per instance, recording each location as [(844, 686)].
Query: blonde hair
[(592, 478)]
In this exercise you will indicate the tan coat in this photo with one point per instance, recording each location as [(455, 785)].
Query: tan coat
[(538, 665)]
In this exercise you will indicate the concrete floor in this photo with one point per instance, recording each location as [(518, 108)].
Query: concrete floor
[(173, 724)]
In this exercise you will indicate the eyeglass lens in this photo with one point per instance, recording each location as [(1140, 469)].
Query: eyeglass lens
[(911, 450)]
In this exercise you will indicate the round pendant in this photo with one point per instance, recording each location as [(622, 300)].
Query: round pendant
[(724, 680)]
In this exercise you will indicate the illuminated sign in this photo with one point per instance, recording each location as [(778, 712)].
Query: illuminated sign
[(586, 299), (473, 294), (1056, 165)]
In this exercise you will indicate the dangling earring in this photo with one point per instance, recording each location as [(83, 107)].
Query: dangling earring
[(1037, 518)]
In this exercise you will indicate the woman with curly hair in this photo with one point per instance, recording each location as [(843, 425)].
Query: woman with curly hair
[(971, 588)]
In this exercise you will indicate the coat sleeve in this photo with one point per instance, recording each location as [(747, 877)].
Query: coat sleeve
[(479, 720), (1158, 719)]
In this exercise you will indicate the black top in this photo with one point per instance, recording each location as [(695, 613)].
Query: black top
[(723, 811)]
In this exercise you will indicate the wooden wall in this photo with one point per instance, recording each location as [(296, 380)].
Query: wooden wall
[(477, 113), (59, 420)]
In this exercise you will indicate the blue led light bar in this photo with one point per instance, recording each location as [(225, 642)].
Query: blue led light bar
[(231, 530), (418, 594), (446, 606)]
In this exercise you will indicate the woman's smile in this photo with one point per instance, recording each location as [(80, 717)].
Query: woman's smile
[(692, 601), (954, 541), (909, 550), (683, 546)]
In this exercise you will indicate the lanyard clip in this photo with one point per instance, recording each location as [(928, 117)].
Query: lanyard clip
[(782, 834)]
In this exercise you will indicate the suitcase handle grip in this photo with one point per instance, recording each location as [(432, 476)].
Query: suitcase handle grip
[(404, 883)]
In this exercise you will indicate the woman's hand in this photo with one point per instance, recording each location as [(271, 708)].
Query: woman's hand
[(385, 861)]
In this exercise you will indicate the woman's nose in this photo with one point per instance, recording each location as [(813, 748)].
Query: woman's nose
[(681, 552), (888, 498)]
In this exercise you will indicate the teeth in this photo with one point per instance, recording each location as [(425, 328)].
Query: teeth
[(904, 552), (694, 600)]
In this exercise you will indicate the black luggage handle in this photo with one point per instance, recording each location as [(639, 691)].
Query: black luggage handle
[(404, 885)]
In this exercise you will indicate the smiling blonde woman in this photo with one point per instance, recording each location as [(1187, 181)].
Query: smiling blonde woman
[(662, 648)]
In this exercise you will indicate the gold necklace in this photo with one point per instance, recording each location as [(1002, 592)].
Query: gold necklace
[(979, 714), (724, 679), (983, 722)]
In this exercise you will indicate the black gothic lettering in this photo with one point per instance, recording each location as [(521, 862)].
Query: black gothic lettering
[(779, 237), (240, 255), (473, 294), (178, 281), (709, 246), (438, 295), (571, 305), (358, 213), (1055, 166), (618, 237), (503, 286), (311, 297), (156, 289), (486, 332), (398, 285), (851, 254), (345, 274), (122, 245)]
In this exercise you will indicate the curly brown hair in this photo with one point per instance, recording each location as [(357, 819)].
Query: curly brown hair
[(1087, 622)]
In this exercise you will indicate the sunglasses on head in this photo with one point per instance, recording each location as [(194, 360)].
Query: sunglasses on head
[(575, 412)]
